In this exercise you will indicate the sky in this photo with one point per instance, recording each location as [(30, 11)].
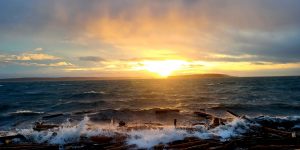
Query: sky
[(139, 38)]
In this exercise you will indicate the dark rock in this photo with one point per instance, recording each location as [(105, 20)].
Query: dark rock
[(41, 126), (122, 124)]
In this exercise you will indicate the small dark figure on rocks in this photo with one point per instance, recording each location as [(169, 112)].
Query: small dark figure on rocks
[(175, 122)]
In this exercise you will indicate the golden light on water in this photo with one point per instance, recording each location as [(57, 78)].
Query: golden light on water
[(163, 68)]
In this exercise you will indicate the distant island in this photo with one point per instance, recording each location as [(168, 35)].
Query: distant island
[(195, 76), (192, 76)]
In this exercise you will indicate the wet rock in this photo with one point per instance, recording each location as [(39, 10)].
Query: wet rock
[(203, 114), (11, 138), (165, 111), (101, 139), (122, 124), (41, 126)]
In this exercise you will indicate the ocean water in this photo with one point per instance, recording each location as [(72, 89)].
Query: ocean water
[(77, 104)]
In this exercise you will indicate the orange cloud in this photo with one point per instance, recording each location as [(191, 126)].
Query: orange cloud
[(145, 35), (35, 56)]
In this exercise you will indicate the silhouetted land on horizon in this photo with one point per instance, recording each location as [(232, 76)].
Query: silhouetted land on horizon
[(195, 76), (192, 76)]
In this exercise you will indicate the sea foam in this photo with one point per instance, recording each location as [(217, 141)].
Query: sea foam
[(144, 138), (147, 138)]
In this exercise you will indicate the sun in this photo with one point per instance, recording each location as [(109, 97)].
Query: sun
[(163, 68)]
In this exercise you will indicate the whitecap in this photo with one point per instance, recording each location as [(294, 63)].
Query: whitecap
[(232, 129), (91, 92), (147, 138), (66, 133), (152, 137), (26, 112), (94, 92)]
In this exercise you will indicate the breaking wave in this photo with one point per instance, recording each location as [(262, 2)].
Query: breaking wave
[(25, 113), (70, 132), (87, 95), (144, 138)]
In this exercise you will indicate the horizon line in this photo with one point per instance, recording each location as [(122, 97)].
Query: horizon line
[(125, 78)]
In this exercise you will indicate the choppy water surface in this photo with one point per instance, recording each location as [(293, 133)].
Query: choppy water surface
[(140, 101)]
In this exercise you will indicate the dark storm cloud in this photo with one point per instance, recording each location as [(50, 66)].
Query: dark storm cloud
[(281, 46), (254, 14), (268, 29)]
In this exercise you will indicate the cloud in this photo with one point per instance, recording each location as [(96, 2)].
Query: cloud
[(29, 57), (211, 35), (262, 63), (268, 29), (195, 29), (34, 59), (127, 67), (91, 58), (38, 49), (57, 64), (35, 56)]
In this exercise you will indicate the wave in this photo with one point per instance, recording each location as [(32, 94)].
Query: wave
[(65, 84), (146, 138), (286, 122), (25, 113), (255, 106), (145, 134), (152, 137), (37, 93), (94, 92), (138, 115), (4, 107), (88, 95), (78, 104)]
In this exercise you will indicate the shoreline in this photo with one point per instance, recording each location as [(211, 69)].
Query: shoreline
[(220, 133)]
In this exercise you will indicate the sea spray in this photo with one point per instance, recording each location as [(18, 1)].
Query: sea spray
[(232, 129), (66, 133), (142, 138), (151, 137)]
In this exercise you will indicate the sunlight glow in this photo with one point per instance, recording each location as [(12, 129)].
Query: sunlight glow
[(163, 68)]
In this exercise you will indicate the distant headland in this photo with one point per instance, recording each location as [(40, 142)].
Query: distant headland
[(195, 76)]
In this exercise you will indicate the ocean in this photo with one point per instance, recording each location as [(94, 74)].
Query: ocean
[(86, 108)]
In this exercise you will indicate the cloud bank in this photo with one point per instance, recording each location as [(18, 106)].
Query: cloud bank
[(216, 36)]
